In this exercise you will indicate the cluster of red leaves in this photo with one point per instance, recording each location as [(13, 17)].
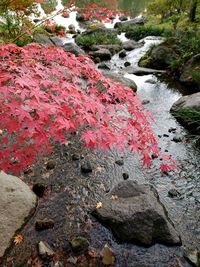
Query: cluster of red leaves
[(93, 11), (47, 94)]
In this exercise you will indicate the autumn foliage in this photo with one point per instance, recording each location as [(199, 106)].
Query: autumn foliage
[(47, 94)]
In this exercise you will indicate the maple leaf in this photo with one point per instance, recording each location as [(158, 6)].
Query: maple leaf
[(114, 197), (99, 205), (18, 239)]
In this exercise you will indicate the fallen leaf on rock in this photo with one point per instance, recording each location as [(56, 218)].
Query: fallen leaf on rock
[(99, 205), (108, 255), (18, 239), (93, 253), (114, 197)]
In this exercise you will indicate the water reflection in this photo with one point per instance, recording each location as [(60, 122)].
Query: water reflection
[(134, 7)]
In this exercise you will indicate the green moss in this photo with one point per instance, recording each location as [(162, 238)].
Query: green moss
[(97, 38)]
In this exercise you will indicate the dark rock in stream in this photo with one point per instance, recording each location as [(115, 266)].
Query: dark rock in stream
[(135, 21), (79, 244), (44, 224), (185, 110), (131, 45), (42, 39), (123, 18), (86, 167), (127, 63), (119, 162), (74, 49), (137, 215), (104, 66), (102, 54), (125, 175), (122, 54), (39, 189), (141, 71), (191, 68), (121, 79), (173, 193), (51, 164)]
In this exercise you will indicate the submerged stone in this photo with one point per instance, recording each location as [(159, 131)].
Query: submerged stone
[(137, 215)]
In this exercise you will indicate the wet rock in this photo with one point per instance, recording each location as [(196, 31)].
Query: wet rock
[(145, 102), (80, 17), (127, 63), (104, 66), (165, 135), (119, 162), (74, 49), (45, 250), (138, 206), (172, 130), (131, 45), (71, 27), (79, 244), (173, 193), (42, 39), (162, 56), (135, 21), (151, 81), (193, 256), (123, 18), (86, 167), (125, 175), (108, 257), (39, 189), (185, 108), (51, 164), (121, 79), (113, 48), (75, 156), (97, 60), (191, 67), (44, 224), (141, 71), (57, 40), (177, 138), (103, 54), (16, 203), (122, 54)]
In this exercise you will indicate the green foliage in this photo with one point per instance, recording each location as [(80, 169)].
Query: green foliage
[(140, 32), (196, 76), (189, 116), (97, 38), (49, 6)]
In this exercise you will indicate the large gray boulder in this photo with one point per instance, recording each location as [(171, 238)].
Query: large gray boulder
[(137, 215), (113, 48), (162, 56), (74, 49), (190, 70), (16, 203), (121, 79), (187, 111), (135, 21), (102, 54), (42, 39), (141, 71)]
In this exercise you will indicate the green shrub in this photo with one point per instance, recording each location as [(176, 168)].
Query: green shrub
[(139, 32), (97, 38)]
